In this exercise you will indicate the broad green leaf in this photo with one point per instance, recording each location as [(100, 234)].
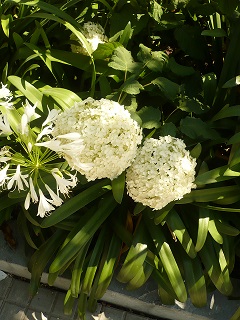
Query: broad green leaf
[(227, 112), (5, 21), (180, 70), (169, 88), (74, 204), (168, 128), (105, 50), (234, 139), (216, 32), (226, 228), (195, 128), (131, 86), (155, 10), (232, 82), (190, 41), (28, 90), (141, 277), (150, 117), (196, 151), (153, 60), (66, 97), (123, 60), (118, 187), (192, 105)]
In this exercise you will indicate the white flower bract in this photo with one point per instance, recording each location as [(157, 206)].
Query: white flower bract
[(110, 137), (163, 171), (94, 33)]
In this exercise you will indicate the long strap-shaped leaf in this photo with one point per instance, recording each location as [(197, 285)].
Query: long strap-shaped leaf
[(167, 258), (84, 234), (75, 203)]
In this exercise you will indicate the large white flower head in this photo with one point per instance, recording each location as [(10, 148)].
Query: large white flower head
[(109, 135), (163, 171), (94, 33)]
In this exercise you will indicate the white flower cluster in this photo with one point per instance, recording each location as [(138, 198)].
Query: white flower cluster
[(21, 170), (108, 133), (163, 171), (94, 33)]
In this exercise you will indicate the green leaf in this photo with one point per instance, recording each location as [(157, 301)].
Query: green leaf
[(123, 60), (155, 10), (118, 187), (209, 87), (227, 112), (169, 88), (153, 60), (192, 105), (83, 235), (209, 194), (168, 128), (195, 281), (28, 90), (232, 82), (234, 139), (180, 70), (64, 97), (214, 231), (105, 50), (236, 315), (190, 41), (131, 86), (196, 151), (167, 259), (195, 128), (5, 21), (203, 222), (216, 175), (216, 32), (150, 117), (75, 203), (177, 226), (126, 35)]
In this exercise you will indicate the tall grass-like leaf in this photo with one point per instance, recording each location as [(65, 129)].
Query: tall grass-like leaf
[(178, 228), (168, 260), (118, 186), (75, 203), (195, 281), (84, 234), (203, 223)]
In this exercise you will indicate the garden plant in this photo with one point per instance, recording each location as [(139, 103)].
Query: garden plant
[(119, 143)]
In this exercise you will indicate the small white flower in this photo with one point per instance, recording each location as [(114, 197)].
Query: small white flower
[(109, 135), (42, 316), (30, 112), (163, 171), (24, 124), (31, 195), (5, 154), (19, 180), (44, 206), (63, 185), (52, 115), (56, 200), (5, 97), (3, 175), (94, 33), (45, 131), (5, 128)]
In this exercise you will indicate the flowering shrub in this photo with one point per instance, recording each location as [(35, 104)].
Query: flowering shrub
[(162, 172), (173, 66), (108, 133)]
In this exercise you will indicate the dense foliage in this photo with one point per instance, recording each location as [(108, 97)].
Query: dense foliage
[(174, 65)]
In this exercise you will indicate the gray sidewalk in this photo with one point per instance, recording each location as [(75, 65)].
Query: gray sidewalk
[(15, 304)]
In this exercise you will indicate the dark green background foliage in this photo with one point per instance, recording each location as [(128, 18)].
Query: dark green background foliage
[(175, 65)]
